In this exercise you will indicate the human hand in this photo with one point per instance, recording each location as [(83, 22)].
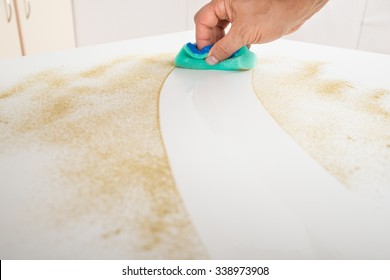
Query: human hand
[(252, 22)]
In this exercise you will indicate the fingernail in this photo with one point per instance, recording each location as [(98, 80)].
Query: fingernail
[(211, 60)]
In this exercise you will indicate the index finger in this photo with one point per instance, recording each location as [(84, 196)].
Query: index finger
[(208, 21)]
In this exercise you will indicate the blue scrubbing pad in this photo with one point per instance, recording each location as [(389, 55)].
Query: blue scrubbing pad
[(192, 58)]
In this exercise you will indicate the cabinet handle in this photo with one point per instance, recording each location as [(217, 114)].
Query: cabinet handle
[(8, 9), (27, 8)]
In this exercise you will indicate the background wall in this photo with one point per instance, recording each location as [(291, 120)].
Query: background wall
[(102, 21), (337, 24), (357, 24)]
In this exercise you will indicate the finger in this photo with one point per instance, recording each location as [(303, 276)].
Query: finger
[(294, 29), (210, 23), (205, 21), (224, 48)]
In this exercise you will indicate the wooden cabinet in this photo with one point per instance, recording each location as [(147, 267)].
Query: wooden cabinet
[(36, 26), (9, 36)]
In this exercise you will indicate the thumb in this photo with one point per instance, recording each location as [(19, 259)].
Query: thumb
[(224, 48)]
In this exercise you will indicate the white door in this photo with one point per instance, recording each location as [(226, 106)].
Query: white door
[(9, 37), (46, 25), (376, 27)]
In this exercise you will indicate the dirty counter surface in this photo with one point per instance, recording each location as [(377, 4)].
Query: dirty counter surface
[(290, 160)]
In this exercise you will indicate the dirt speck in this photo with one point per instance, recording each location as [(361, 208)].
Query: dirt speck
[(311, 69), (342, 125), (111, 234), (108, 169), (333, 87)]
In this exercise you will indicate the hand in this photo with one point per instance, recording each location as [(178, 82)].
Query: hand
[(252, 22)]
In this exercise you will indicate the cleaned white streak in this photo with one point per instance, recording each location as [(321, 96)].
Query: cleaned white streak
[(251, 191)]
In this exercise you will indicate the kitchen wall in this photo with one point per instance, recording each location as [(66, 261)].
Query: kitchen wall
[(102, 21), (357, 24), (338, 23)]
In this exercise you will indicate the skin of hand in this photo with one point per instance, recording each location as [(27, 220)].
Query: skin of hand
[(252, 22)]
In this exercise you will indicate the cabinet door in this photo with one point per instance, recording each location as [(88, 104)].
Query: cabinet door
[(9, 36), (45, 25), (376, 27)]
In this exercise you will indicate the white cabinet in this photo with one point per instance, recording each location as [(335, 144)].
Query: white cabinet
[(45, 25), (35, 26), (376, 27), (9, 37)]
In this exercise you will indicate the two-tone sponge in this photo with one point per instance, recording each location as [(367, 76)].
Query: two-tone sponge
[(192, 58)]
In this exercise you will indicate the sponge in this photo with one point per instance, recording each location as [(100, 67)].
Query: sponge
[(192, 58)]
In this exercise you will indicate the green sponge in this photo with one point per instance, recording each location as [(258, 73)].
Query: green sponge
[(192, 58)]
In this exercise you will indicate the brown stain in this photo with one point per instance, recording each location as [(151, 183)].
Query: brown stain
[(344, 174), (374, 103), (340, 125), (14, 90), (8, 93), (95, 72), (18, 88), (53, 111), (311, 70), (111, 153), (111, 234), (310, 74), (333, 87), (379, 93), (102, 69), (164, 59)]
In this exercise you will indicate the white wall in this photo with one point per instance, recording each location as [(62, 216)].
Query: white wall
[(193, 7), (102, 21), (356, 24), (337, 24), (375, 33), (361, 24)]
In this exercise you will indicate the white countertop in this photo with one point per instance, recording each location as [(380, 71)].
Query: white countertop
[(302, 211)]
